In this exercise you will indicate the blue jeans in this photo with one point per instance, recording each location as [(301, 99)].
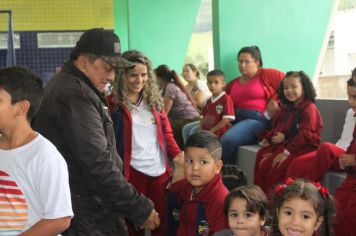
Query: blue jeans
[(189, 129), (249, 124)]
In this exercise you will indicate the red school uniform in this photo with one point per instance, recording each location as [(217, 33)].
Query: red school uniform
[(301, 126), (215, 110), (345, 198), (314, 165), (211, 197)]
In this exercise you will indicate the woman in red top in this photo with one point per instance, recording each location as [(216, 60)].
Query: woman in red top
[(255, 100)]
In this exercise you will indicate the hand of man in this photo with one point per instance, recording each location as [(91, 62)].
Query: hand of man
[(152, 222), (347, 160)]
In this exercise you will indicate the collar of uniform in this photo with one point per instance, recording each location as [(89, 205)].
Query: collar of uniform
[(217, 98), (300, 106), (205, 194)]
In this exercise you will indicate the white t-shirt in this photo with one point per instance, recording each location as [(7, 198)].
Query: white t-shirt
[(34, 185), (147, 156), (346, 135), (204, 87)]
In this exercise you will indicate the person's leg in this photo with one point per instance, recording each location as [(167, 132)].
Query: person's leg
[(244, 132), (259, 156), (177, 131), (262, 172), (140, 181), (189, 129), (276, 174), (300, 167), (345, 202), (327, 158), (177, 126), (156, 191), (314, 165)]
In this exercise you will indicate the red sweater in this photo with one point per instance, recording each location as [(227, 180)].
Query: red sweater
[(307, 131), (212, 196)]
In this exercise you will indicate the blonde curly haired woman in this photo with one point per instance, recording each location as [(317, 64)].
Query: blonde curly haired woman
[(143, 134)]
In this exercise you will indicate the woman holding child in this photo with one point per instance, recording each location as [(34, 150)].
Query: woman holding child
[(255, 101)]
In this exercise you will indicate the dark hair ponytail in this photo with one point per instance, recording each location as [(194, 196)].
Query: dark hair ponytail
[(165, 73), (255, 53)]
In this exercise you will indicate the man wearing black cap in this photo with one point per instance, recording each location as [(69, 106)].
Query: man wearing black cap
[(74, 116)]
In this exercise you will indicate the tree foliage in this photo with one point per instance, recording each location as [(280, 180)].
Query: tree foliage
[(346, 5)]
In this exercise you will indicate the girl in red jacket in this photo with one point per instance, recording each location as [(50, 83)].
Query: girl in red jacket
[(295, 131), (144, 137)]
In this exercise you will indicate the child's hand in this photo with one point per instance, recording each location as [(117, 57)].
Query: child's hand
[(265, 156), (278, 138), (272, 108), (278, 160), (347, 160), (265, 143), (178, 173), (212, 130)]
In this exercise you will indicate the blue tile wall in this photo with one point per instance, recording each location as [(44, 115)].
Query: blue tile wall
[(43, 61)]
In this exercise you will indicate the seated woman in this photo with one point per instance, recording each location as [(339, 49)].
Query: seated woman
[(255, 100), (178, 103), (196, 87)]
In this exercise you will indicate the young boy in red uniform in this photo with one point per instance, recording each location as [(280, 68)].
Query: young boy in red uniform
[(345, 196), (218, 110), (201, 194)]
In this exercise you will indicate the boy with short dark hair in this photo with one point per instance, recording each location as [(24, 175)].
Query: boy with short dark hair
[(201, 194), (218, 110), (34, 186)]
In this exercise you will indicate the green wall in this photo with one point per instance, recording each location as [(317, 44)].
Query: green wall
[(160, 28), (290, 33), (121, 28)]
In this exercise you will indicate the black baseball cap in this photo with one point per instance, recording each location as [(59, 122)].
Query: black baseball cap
[(103, 43)]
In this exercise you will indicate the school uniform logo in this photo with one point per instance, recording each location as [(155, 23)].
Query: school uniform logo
[(203, 228), (219, 109)]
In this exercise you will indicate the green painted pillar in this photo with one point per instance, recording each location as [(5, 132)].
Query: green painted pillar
[(290, 33), (121, 22), (160, 28)]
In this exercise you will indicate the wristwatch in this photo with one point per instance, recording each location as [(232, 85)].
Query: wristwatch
[(286, 152)]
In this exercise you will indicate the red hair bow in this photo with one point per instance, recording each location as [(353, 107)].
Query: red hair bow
[(324, 191), (279, 188)]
